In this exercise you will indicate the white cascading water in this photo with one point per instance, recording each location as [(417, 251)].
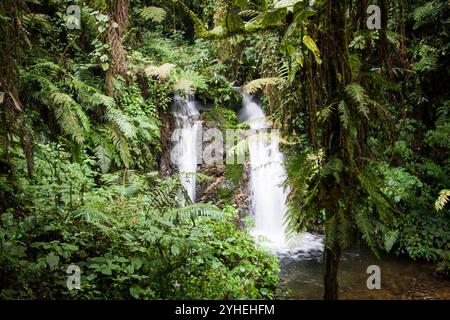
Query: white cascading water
[(184, 153), (268, 196)]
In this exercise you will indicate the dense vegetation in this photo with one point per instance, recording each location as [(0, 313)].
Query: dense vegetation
[(85, 176)]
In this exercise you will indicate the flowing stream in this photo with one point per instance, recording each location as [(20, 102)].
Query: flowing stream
[(268, 195), (184, 153)]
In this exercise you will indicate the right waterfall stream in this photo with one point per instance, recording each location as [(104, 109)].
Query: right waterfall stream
[(268, 195)]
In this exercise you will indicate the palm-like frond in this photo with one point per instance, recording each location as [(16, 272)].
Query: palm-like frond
[(162, 72), (426, 13), (359, 96), (193, 210), (443, 199), (151, 13), (104, 158), (344, 114), (70, 116), (189, 81), (120, 143), (258, 84)]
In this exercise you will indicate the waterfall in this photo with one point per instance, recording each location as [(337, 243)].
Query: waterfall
[(184, 153), (268, 195)]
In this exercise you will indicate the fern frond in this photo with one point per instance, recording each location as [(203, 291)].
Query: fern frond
[(248, 14), (104, 158), (390, 238), (366, 227), (116, 117), (324, 114), (331, 231), (193, 210), (162, 72), (70, 116), (189, 81), (359, 96), (427, 63), (255, 85), (344, 229), (91, 215), (442, 200), (344, 114), (427, 13), (151, 13), (120, 143)]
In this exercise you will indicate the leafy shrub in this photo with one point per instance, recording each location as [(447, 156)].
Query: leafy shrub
[(130, 237)]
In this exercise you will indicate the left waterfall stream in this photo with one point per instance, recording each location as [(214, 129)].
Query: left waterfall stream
[(185, 138)]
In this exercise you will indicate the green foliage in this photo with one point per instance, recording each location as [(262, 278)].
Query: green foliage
[(359, 97), (154, 14), (255, 85), (442, 200), (129, 236), (427, 13)]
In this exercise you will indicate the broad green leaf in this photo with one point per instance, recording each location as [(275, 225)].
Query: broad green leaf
[(52, 260), (311, 45)]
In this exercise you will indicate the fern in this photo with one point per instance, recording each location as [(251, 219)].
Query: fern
[(162, 72), (390, 238), (70, 116), (442, 200), (359, 96), (366, 227), (344, 114), (189, 81), (427, 13), (324, 114), (119, 119), (193, 210), (255, 85), (119, 143), (104, 158), (331, 232), (151, 13), (428, 61), (92, 215), (249, 13), (344, 229)]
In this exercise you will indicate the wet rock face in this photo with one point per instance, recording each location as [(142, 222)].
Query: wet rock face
[(221, 191)]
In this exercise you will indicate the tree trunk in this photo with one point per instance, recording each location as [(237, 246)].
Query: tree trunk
[(384, 44), (331, 258)]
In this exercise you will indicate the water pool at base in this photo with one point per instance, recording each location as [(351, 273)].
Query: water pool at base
[(401, 278)]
